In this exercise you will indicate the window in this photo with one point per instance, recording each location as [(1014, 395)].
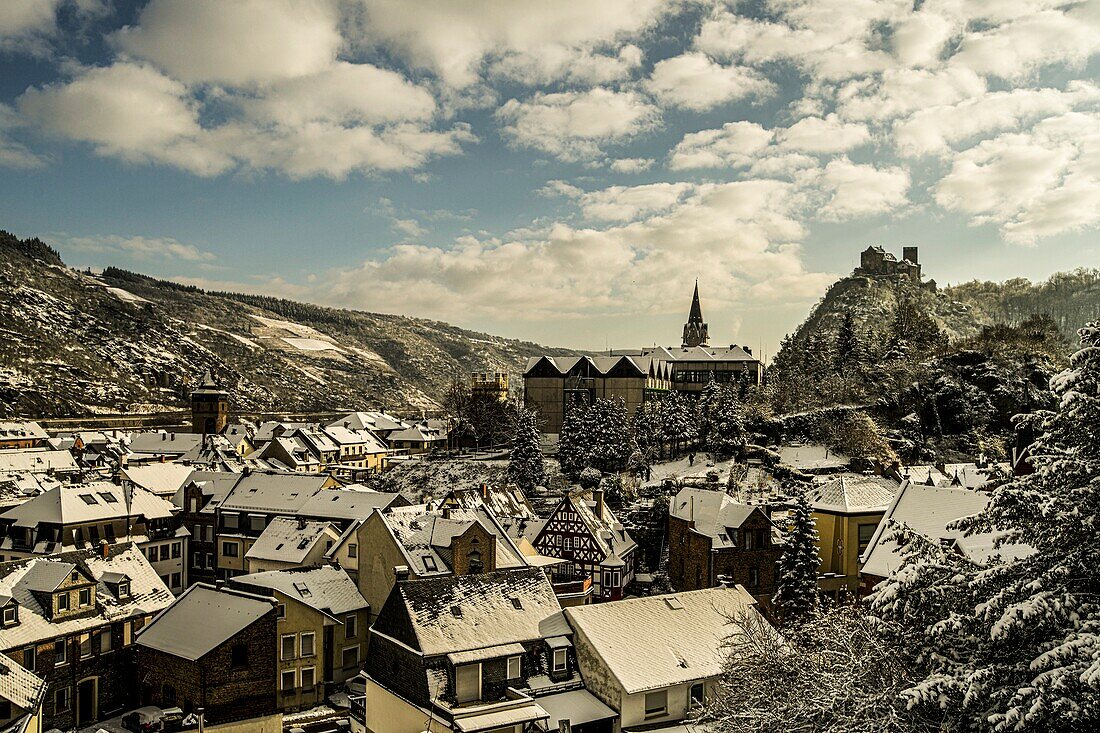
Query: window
[(514, 665), (105, 641), (568, 544), (177, 548), (287, 680), (289, 647), (230, 521), (281, 612), (695, 697), (349, 626), (62, 601), (866, 532), (350, 657), (85, 646), (429, 563), (29, 658), (62, 700), (468, 682), (238, 656), (85, 597), (60, 652), (176, 580), (88, 499), (124, 589), (754, 577), (308, 644), (108, 498), (309, 677), (353, 550), (560, 659), (257, 524), (229, 549), (656, 703), (164, 552)]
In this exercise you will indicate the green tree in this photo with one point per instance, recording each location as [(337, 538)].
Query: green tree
[(525, 468)]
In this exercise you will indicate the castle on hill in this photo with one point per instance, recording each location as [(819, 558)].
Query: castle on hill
[(877, 262)]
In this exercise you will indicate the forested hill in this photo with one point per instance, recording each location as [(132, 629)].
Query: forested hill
[(76, 344), (1072, 299)]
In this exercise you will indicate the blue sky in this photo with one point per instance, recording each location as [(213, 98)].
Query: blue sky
[(560, 172)]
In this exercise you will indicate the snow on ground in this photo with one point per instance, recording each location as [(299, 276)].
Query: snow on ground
[(246, 341), (125, 295), (295, 328), (310, 344), (681, 468)]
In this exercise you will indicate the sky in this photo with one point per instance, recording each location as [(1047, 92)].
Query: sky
[(559, 172)]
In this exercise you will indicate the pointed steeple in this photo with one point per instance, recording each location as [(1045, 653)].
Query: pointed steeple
[(695, 330)]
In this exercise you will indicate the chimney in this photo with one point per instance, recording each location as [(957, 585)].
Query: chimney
[(597, 496), (485, 491), (446, 512), (301, 522), (400, 572), (104, 549)]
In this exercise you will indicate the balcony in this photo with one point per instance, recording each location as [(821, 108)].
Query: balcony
[(568, 586)]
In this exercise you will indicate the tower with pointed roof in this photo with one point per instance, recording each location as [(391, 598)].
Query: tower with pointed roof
[(695, 330), (209, 407)]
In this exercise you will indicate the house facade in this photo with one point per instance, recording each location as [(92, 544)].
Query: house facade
[(714, 540)]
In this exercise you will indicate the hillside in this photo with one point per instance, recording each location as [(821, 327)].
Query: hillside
[(76, 344)]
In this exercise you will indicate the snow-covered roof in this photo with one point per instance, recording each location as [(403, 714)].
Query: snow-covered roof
[(326, 588), (273, 491), (714, 512), (927, 510), (36, 460), (215, 485), (290, 540), (609, 535), (418, 433), (455, 614), (16, 488), (163, 479), (148, 594), (19, 686), (201, 619), (344, 504), (971, 475), (853, 493), (424, 536), (350, 436), (28, 430), (375, 421), (576, 706), (658, 641), (70, 504), (162, 443)]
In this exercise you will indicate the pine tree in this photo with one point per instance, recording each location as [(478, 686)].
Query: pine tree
[(796, 590), (727, 435), (1013, 643), (705, 407), (572, 449), (648, 434), (606, 433), (677, 420), (525, 468)]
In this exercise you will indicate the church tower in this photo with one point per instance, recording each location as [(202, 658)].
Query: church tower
[(209, 407), (695, 331)]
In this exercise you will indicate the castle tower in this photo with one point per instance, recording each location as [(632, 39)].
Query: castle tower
[(695, 331), (209, 407)]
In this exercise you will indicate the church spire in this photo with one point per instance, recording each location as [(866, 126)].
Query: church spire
[(695, 330)]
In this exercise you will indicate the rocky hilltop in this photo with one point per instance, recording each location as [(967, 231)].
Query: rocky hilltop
[(77, 344)]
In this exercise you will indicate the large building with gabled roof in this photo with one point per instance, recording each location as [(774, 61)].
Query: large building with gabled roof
[(551, 384)]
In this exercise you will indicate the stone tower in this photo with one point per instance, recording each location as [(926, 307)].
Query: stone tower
[(695, 331), (209, 407)]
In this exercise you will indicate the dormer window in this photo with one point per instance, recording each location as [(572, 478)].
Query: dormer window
[(62, 601), (11, 615), (85, 596), (124, 589)]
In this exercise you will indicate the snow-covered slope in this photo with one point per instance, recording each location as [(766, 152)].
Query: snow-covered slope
[(76, 344)]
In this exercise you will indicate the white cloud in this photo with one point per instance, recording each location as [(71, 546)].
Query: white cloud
[(140, 248), (237, 43), (574, 126), (823, 135), (856, 190), (743, 235), (1032, 184), (14, 154), (627, 203), (694, 82), (933, 130), (456, 39), (631, 165), (140, 115), (127, 111), (409, 227), (22, 18), (734, 145), (560, 63), (899, 92), (918, 39)]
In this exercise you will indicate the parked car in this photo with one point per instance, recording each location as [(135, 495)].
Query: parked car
[(144, 720)]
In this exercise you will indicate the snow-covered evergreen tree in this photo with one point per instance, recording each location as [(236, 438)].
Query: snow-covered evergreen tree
[(677, 420), (1014, 644), (525, 468), (572, 448), (648, 433), (796, 596), (705, 407), (727, 432), (607, 435)]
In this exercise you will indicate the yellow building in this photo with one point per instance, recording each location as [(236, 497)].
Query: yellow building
[(322, 631), (493, 385), (847, 509)]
